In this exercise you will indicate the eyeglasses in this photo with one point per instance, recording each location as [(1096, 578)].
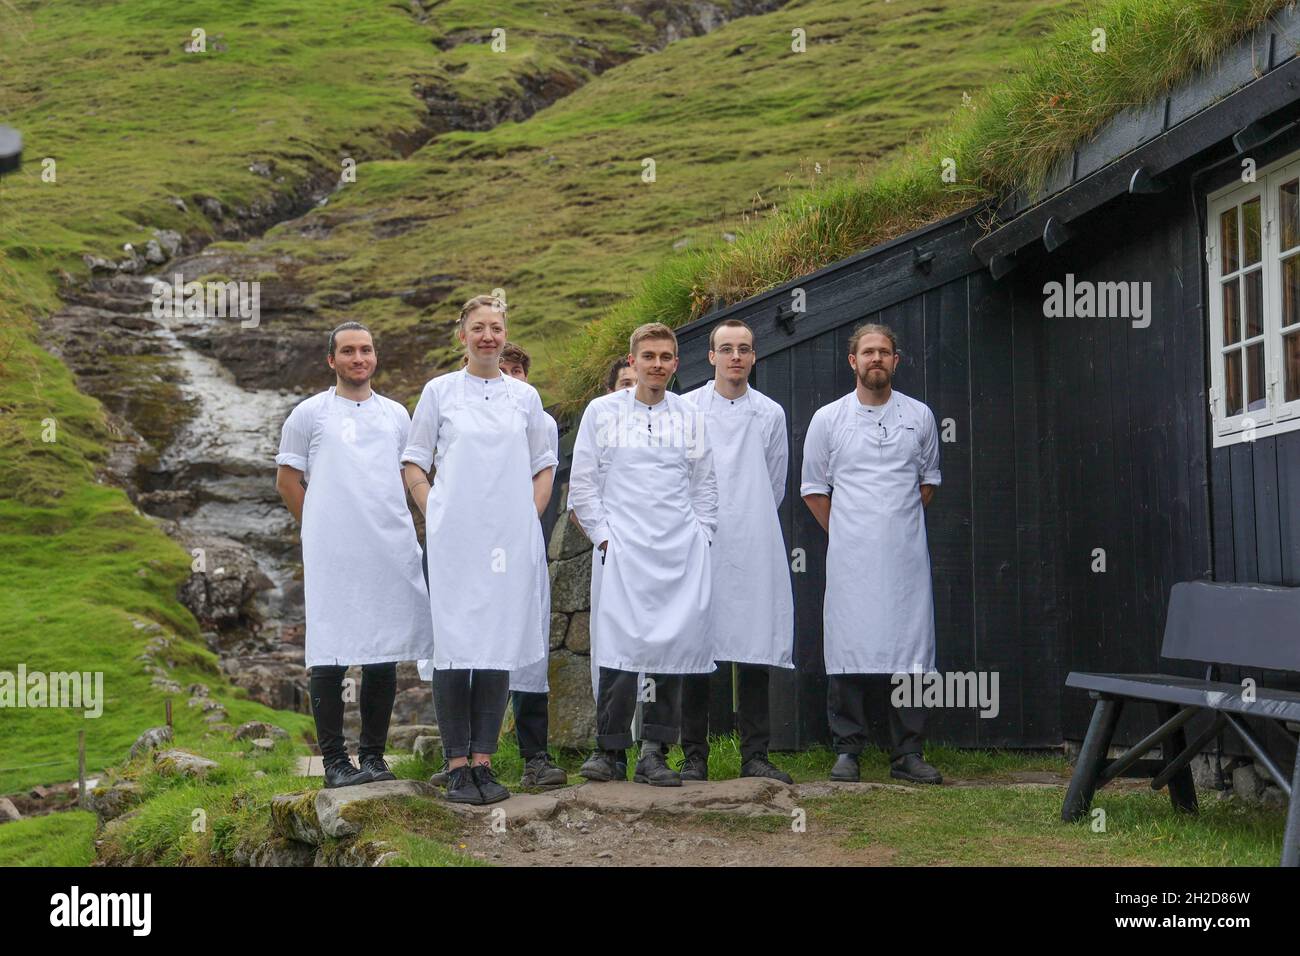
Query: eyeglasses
[(728, 350)]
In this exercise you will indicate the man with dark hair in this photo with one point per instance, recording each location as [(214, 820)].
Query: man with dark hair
[(621, 375), (878, 450), (339, 474), (529, 687)]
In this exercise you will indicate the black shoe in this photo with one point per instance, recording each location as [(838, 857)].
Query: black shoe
[(541, 772), (914, 769), (653, 769), (485, 778), (604, 765), (846, 769), (461, 787), (695, 767), (341, 773), (377, 768), (762, 767), (439, 779)]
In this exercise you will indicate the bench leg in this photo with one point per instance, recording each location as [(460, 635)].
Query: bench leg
[(1092, 757), (1291, 836), (1182, 790)]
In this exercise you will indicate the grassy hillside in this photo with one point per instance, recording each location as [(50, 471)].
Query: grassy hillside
[(555, 211)]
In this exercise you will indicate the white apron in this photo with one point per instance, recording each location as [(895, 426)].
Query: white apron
[(533, 678), (363, 589), (753, 604), (484, 541), (651, 590), (878, 616)]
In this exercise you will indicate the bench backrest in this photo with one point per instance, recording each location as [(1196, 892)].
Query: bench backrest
[(1249, 625)]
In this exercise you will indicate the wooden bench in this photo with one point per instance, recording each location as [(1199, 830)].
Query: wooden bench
[(1254, 626)]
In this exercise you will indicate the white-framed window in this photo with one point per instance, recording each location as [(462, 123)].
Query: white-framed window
[(1252, 245)]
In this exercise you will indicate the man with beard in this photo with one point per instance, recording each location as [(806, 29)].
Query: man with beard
[(878, 451), (340, 475)]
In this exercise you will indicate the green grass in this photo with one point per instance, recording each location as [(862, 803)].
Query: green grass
[(56, 839)]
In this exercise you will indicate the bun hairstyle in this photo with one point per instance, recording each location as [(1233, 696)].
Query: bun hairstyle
[(478, 302)]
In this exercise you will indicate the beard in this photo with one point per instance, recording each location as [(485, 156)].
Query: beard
[(865, 376), (355, 378)]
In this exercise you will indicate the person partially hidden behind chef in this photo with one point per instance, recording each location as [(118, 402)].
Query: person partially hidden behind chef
[(487, 442), (870, 467), (340, 475), (643, 488)]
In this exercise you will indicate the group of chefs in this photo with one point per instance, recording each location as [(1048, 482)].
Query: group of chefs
[(678, 495)]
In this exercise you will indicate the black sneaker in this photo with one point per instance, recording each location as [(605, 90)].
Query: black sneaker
[(695, 767), (461, 787), (762, 767), (912, 768), (653, 769), (541, 772), (846, 769), (603, 766), (341, 773), (485, 778), (377, 767), (439, 779)]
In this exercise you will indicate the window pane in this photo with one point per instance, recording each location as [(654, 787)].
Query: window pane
[(1232, 384), (1290, 291), (1250, 231), (1254, 302), (1228, 239), (1231, 313), (1291, 365), (1289, 210), (1255, 377)]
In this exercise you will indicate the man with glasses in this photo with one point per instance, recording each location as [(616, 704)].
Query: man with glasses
[(753, 606), (878, 451)]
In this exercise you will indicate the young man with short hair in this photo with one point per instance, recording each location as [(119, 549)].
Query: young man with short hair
[(753, 603), (339, 474), (643, 487), (878, 451)]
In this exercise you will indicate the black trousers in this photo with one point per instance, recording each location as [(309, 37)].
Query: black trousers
[(378, 690), (531, 721), (752, 718), (470, 705), (616, 697), (846, 706)]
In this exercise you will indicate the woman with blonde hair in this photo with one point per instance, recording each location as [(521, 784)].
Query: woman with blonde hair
[(487, 442)]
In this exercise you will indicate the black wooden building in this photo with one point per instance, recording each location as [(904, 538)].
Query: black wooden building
[(1164, 442)]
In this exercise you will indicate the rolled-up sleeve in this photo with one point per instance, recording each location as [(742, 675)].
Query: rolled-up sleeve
[(930, 474), (541, 451), (422, 439), (584, 479), (815, 478), (295, 438)]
